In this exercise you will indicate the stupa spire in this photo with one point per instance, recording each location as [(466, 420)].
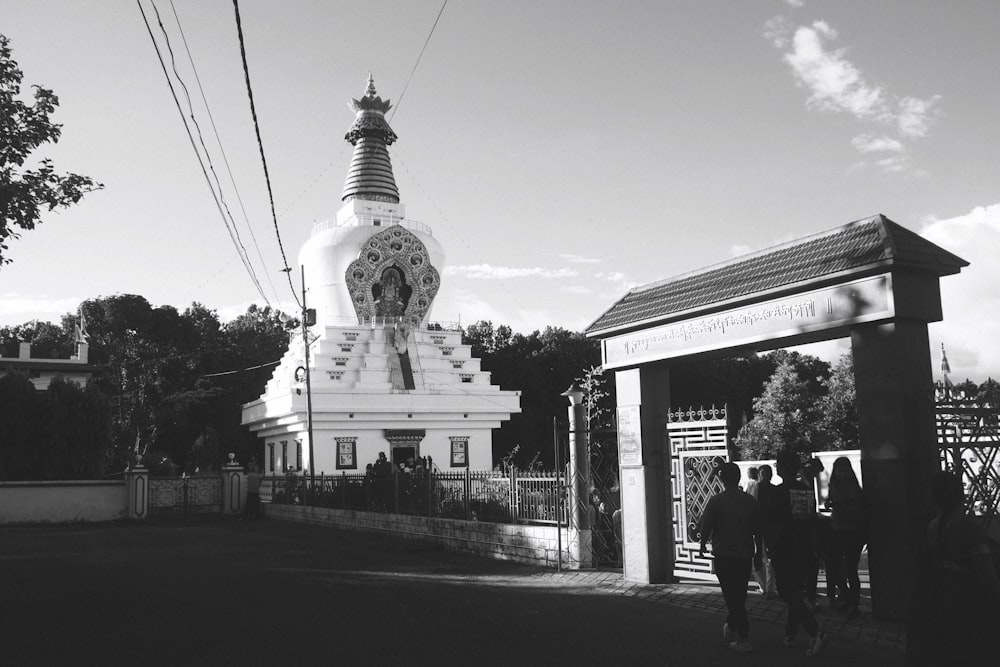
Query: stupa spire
[(370, 174)]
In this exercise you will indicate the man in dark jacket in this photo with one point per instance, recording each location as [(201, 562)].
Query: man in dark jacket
[(732, 522), (794, 549)]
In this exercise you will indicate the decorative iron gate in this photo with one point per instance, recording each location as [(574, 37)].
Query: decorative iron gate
[(606, 498), (604, 501), (185, 495), (969, 444), (697, 444)]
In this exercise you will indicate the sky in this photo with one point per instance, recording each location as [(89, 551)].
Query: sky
[(563, 152)]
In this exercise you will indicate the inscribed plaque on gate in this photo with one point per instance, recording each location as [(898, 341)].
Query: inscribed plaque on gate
[(836, 307), (629, 436)]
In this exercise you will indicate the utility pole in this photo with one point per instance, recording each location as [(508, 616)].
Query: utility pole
[(308, 319)]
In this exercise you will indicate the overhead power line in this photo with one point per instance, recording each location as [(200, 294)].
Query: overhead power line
[(233, 235), (260, 144), (225, 158), (421, 55)]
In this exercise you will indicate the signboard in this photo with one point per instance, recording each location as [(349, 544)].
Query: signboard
[(629, 436), (865, 300)]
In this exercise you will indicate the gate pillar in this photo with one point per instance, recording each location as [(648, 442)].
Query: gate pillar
[(895, 399), (647, 537), (581, 544), (138, 491), (234, 488)]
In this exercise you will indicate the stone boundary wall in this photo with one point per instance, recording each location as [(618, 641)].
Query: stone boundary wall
[(533, 545), (62, 501)]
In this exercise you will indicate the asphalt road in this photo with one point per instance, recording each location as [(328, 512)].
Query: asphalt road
[(214, 592)]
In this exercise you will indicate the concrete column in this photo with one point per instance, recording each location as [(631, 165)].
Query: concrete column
[(234, 487), (899, 453), (647, 532), (137, 479)]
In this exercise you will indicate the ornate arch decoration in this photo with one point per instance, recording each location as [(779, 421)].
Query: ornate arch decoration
[(394, 247)]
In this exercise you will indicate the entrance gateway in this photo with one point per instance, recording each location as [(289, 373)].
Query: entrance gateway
[(872, 281)]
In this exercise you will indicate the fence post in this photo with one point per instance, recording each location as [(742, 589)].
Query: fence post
[(512, 495), (395, 491), (138, 491), (343, 489), (429, 477), (234, 490), (467, 493)]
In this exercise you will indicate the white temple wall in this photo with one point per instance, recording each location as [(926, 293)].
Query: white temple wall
[(436, 443)]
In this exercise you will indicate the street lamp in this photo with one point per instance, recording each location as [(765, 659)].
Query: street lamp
[(574, 394)]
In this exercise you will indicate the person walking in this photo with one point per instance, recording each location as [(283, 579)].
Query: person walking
[(847, 532), (955, 605), (753, 478), (794, 550), (765, 491), (732, 522)]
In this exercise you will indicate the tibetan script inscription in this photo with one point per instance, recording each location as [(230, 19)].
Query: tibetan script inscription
[(833, 307)]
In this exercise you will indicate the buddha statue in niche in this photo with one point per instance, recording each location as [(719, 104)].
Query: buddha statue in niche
[(391, 294)]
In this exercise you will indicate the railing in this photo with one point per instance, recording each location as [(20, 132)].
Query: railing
[(368, 220), (488, 496), (380, 322)]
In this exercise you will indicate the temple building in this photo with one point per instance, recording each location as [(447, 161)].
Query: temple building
[(382, 377)]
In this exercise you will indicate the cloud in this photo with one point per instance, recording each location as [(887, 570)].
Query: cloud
[(871, 143), (795, 3), (970, 300), (487, 271), (777, 30), (454, 304), (619, 281), (580, 259), (915, 116), (18, 309), (837, 85), (739, 250), (834, 83)]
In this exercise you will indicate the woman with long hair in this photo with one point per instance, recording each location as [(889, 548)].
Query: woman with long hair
[(846, 501)]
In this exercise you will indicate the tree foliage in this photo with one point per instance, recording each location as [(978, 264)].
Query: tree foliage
[(541, 365), (48, 341), (25, 192), (838, 409), (804, 407), (172, 383), (60, 433)]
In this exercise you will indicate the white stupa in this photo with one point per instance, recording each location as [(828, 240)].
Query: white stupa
[(383, 377)]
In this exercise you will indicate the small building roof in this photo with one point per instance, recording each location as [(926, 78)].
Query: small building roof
[(864, 247)]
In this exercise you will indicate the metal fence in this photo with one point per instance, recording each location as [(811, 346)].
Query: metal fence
[(969, 444), (489, 496)]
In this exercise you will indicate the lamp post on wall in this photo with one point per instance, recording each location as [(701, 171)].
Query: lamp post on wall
[(579, 464)]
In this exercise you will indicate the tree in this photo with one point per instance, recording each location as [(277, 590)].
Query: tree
[(785, 416), (989, 392), (541, 365), (17, 426), (595, 394), (60, 433), (26, 192), (838, 410), (48, 341)]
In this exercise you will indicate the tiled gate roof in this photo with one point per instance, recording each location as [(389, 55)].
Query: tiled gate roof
[(864, 246)]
